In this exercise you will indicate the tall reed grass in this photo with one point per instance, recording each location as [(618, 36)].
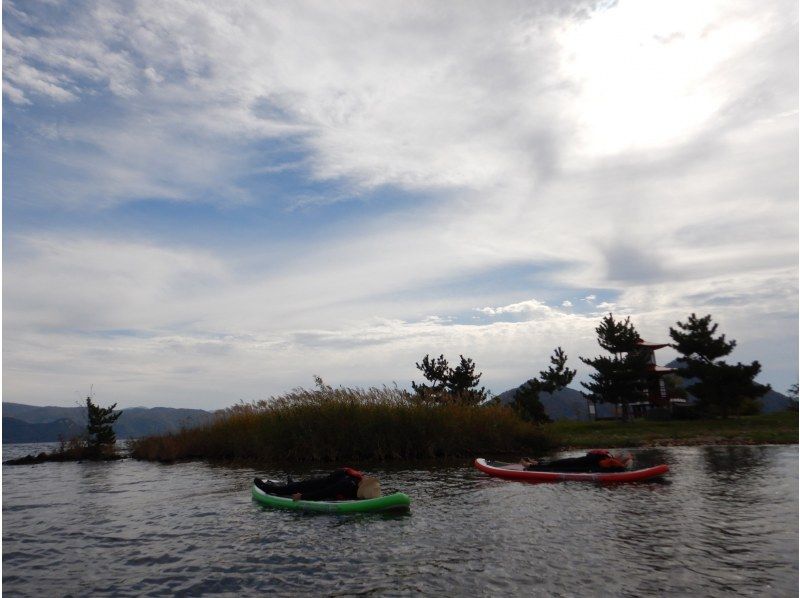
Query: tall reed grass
[(348, 424)]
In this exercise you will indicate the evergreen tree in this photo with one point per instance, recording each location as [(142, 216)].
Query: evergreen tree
[(557, 375), (526, 400), (695, 340), (792, 392), (435, 371), (617, 336), (462, 383), (527, 404), (620, 378), (100, 430), (448, 384), (720, 388)]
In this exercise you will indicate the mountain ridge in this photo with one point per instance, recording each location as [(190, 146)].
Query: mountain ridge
[(32, 423), (570, 404)]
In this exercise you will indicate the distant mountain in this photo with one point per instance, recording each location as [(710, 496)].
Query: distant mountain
[(771, 402), (775, 401), (41, 424), (566, 403), (141, 421), (15, 430), (41, 415), (569, 403)]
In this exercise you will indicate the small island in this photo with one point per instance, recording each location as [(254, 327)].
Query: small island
[(449, 416), (97, 444)]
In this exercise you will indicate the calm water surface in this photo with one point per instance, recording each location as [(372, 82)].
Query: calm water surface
[(724, 523)]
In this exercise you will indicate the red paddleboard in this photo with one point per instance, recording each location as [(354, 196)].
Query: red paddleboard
[(516, 471)]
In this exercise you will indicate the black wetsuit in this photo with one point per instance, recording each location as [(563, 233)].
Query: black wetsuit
[(589, 463), (342, 484)]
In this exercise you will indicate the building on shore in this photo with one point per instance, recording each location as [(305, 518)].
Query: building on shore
[(657, 395)]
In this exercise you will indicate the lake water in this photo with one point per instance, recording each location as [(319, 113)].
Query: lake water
[(723, 523)]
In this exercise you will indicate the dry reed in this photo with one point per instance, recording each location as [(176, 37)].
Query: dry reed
[(329, 424)]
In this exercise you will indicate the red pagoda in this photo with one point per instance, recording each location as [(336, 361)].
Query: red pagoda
[(657, 396)]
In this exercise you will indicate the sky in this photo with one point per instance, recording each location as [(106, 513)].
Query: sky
[(206, 203)]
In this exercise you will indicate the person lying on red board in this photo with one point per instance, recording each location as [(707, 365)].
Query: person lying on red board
[(595, 461), (342, 484)]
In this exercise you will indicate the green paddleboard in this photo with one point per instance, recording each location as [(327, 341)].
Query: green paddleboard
[(393, 502)]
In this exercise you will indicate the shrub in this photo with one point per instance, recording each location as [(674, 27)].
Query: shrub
[(348, 424)]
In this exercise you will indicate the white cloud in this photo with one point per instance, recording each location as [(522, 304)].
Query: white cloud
[(640, 155), (670, 86), (378, 95), (530, 307), (379, 98), (151, 324)]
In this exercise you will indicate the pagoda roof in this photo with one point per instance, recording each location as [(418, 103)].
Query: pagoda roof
[(649, 345)]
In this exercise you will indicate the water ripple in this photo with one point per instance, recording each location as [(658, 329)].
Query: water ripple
[(725, 523)]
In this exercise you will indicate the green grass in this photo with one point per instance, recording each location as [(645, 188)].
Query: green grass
[(775, 428), (348, 425)]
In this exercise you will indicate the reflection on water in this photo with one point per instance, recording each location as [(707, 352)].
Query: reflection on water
[(735, 461), (723, 523)]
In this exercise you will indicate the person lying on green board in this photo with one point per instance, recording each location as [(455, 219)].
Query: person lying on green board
[(342, 484), (595, 461)]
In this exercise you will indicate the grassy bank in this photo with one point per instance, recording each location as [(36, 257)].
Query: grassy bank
[(342, 425), (775, 428), (348, 425)]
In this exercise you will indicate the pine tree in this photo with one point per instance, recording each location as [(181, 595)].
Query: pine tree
[(526, 400), (618, 379), (557, 375), (100, 430), (462, 383), (792, 392), (448, 384), (720, 388), (695, 340), (435, 371)]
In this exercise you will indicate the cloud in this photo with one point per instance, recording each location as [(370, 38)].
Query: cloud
[(184, 325), (389, 162), (380, 98), (531, 307), (103, 284), (373, 98)]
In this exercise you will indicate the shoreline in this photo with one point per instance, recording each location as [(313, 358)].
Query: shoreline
[(439, 435), (774, 428), (688, 442), (665, 443)]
